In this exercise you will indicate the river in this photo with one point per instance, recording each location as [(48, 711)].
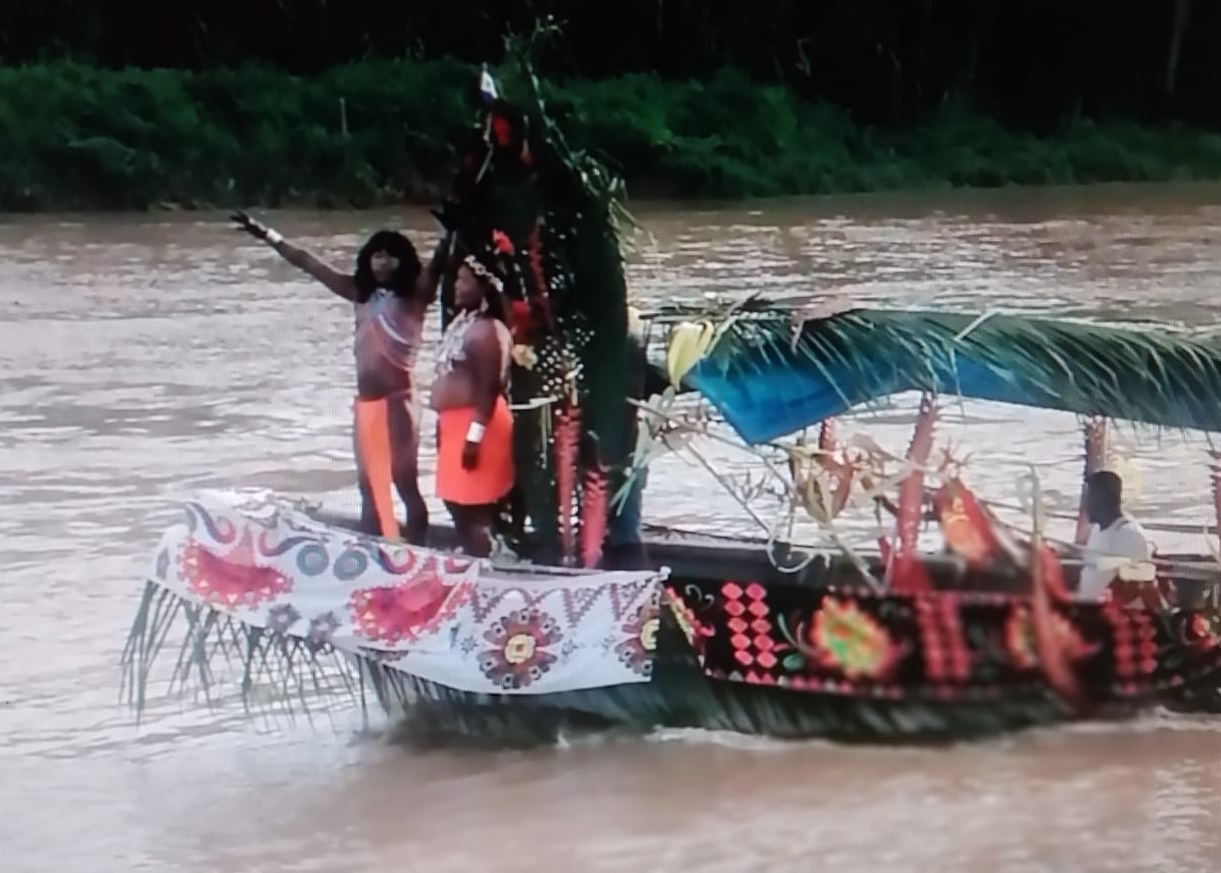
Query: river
[(145, 356)]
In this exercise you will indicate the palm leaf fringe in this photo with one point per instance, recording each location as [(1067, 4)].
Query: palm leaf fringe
[(770, 377), (214, 652)]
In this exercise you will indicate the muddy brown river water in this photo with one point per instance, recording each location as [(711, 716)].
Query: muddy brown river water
[(145, 356)]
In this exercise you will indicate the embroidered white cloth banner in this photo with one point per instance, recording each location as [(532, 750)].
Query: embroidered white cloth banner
[(460, 623)]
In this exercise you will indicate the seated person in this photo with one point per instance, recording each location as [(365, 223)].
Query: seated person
[(1112, 535)]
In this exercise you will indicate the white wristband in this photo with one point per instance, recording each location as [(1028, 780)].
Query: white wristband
[(274, 236), (474, 433)]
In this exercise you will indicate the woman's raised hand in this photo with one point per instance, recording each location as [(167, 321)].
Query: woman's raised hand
[(244, 223)]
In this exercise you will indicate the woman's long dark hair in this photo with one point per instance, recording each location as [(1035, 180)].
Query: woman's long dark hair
[(403, 282)]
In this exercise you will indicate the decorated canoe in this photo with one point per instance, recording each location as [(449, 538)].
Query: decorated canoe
[(251, 591), (753, 637)]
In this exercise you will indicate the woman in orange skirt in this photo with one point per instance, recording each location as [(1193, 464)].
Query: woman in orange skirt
[(475, 427), (390, 294)]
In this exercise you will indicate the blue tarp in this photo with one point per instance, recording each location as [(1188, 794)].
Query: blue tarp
[(769, 395)]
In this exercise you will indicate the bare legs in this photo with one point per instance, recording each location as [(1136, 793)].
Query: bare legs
[(368, 510), (407, 483), (405, 470), (474, 526)]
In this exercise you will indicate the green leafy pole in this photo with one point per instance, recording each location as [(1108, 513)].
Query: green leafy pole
[(561, 209)]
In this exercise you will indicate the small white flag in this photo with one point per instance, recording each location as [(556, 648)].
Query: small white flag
[(487, 86)]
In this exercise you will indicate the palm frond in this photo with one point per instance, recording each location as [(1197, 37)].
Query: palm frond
[(770, 377), (216, 658)]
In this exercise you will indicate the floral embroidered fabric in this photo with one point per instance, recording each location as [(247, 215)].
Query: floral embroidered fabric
[(435, 616)]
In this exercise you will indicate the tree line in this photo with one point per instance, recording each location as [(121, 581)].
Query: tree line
[(1028, 63)]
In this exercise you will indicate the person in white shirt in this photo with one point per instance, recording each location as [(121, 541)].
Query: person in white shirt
[(1112, 535)]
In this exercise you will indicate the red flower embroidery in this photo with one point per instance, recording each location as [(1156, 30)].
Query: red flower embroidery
[(520, 656), (402, 613), (233, 579)]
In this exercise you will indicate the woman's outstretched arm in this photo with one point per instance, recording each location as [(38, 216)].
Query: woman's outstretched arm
[(339, 283)]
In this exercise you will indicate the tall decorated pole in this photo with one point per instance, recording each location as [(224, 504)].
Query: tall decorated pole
[(565, 282)]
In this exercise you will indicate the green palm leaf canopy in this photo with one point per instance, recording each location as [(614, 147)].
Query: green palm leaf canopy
[(771, 376)]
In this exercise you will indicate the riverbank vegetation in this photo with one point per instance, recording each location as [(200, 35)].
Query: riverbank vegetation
[(271, 109), (380, 131)]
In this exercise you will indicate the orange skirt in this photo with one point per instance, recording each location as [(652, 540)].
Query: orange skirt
[(374, 457), (376, 452), (493, 475)]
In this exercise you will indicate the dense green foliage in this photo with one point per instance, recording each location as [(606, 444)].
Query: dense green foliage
[(1027, 62), (377, 131), (196, 102)]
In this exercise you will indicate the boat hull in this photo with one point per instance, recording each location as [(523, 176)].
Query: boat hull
[(720, 640)]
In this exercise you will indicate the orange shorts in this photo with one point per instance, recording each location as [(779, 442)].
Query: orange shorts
[(493, 475)]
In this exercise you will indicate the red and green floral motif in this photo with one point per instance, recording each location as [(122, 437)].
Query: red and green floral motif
[(1020, 641), (964, 647), (520, 656), (1204, 630), (849, 640), (685, 619)]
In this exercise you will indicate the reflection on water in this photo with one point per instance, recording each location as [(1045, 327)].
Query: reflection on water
[(143, 357)]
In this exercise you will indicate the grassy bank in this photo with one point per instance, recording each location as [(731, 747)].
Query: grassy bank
[(376, 132)]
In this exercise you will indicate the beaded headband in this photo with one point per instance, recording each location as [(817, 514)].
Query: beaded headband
[(477, 267)]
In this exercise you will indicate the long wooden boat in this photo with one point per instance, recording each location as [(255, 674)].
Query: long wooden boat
[(889, 646)]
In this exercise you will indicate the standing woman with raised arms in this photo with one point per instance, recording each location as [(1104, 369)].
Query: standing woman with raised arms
[(390, 294)]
